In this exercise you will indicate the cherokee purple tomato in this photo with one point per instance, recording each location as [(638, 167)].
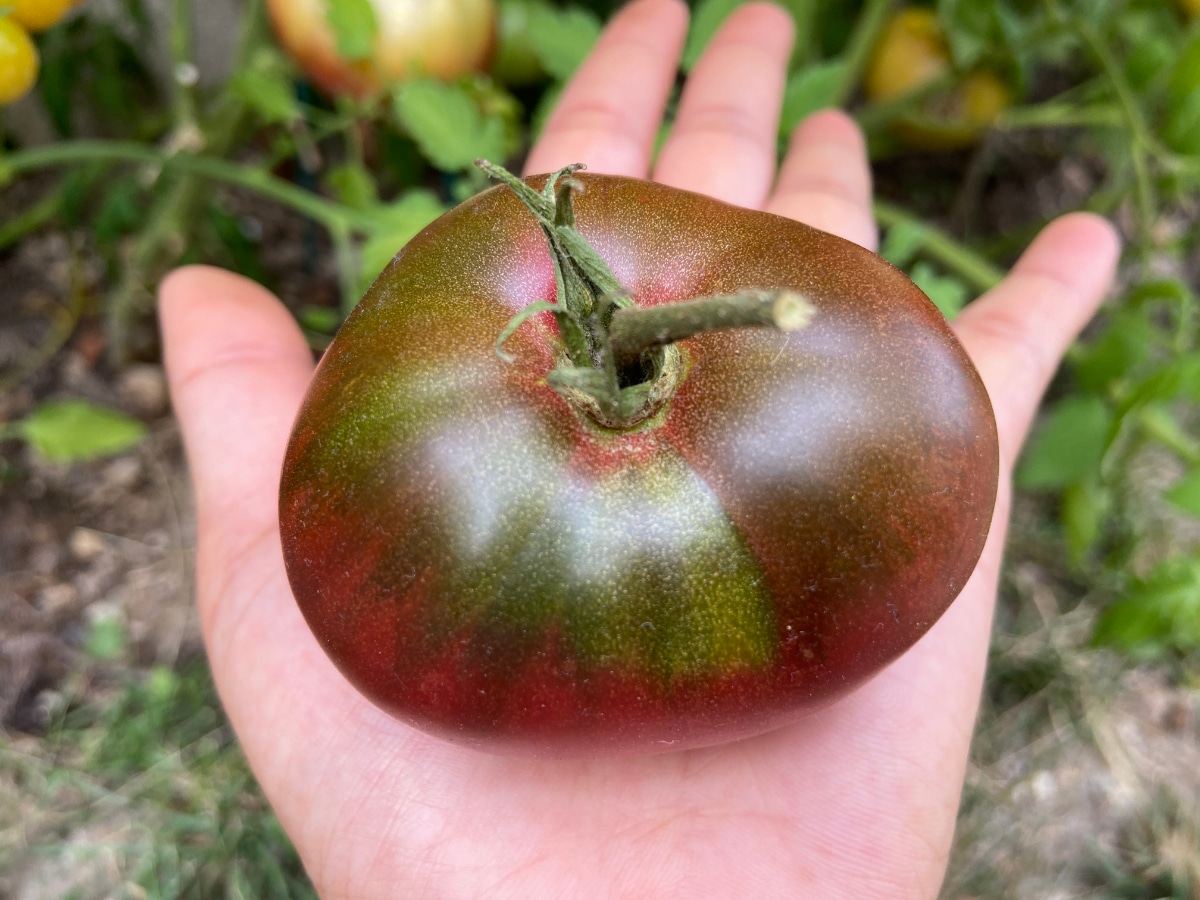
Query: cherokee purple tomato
[(487, 564)]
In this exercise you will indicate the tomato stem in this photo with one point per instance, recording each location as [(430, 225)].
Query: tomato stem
[(621, 364), (633, 332)]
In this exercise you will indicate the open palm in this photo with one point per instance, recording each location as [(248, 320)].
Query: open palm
[(858, 800)]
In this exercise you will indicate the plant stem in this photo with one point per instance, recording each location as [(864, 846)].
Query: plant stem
[(33, 218), (968, 265), (875, 117), (1059, 115), (634, 331), (1139, 133), (183, 69), (867, 28), (257, 180)]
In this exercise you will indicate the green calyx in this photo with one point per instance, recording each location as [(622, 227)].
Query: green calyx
[(620, 364)]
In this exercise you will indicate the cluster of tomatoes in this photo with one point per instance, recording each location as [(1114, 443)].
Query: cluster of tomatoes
[(450, 38), (913, 54), (18, 54)]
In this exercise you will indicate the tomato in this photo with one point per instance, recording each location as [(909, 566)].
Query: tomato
[(1191, 8), (417, 38), (18, 61), (38, 15), (912, 53), (485, 561)]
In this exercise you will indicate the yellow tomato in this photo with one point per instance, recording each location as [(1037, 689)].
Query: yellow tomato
[(38, 15), (1191, 8), (912, 52), (18, 61), (416, 38)]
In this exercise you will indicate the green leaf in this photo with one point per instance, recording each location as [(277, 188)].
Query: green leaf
[(395, 225), (707, 19), (1159, 423), (1185, 493), (161, 685), (1084, 506), (353, 185), (808, 90), (1159, 614), (121, 212), (268, 91), (354, 27), (1175, 379), (969, 28), (1123, 346), (1068, 446), (106, 640), (902, 243), (561, 39), (447, 125), (1182, 128), (234, 248), (949, 294), (71, 430), (321, 319)]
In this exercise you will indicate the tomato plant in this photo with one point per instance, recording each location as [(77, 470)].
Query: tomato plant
[(18, 60), (912, 54), (38, 15), (403, 39), (764, 521)]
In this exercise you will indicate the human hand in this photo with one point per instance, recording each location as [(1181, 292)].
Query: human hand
[(856, 800)]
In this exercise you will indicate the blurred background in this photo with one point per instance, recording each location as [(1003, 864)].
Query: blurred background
[(137, 135)]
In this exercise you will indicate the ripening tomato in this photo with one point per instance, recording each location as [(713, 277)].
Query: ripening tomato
[(484, 560), (18, 61), (911, 53), (38, 15), (417, 38)]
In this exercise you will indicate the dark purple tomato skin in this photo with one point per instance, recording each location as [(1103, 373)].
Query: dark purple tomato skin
[(483, 562)]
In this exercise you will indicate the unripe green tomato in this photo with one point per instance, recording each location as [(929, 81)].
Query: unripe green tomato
[(442, 39), (18, 61)]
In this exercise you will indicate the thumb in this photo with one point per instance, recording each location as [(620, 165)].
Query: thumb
[(238, 366)]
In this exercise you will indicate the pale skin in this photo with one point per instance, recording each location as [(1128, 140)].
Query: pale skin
[(857, 800)]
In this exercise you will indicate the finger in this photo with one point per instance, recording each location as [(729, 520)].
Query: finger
[(609, 114), (1017, 333), (825, 181), (723, 141), (238, 366)]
